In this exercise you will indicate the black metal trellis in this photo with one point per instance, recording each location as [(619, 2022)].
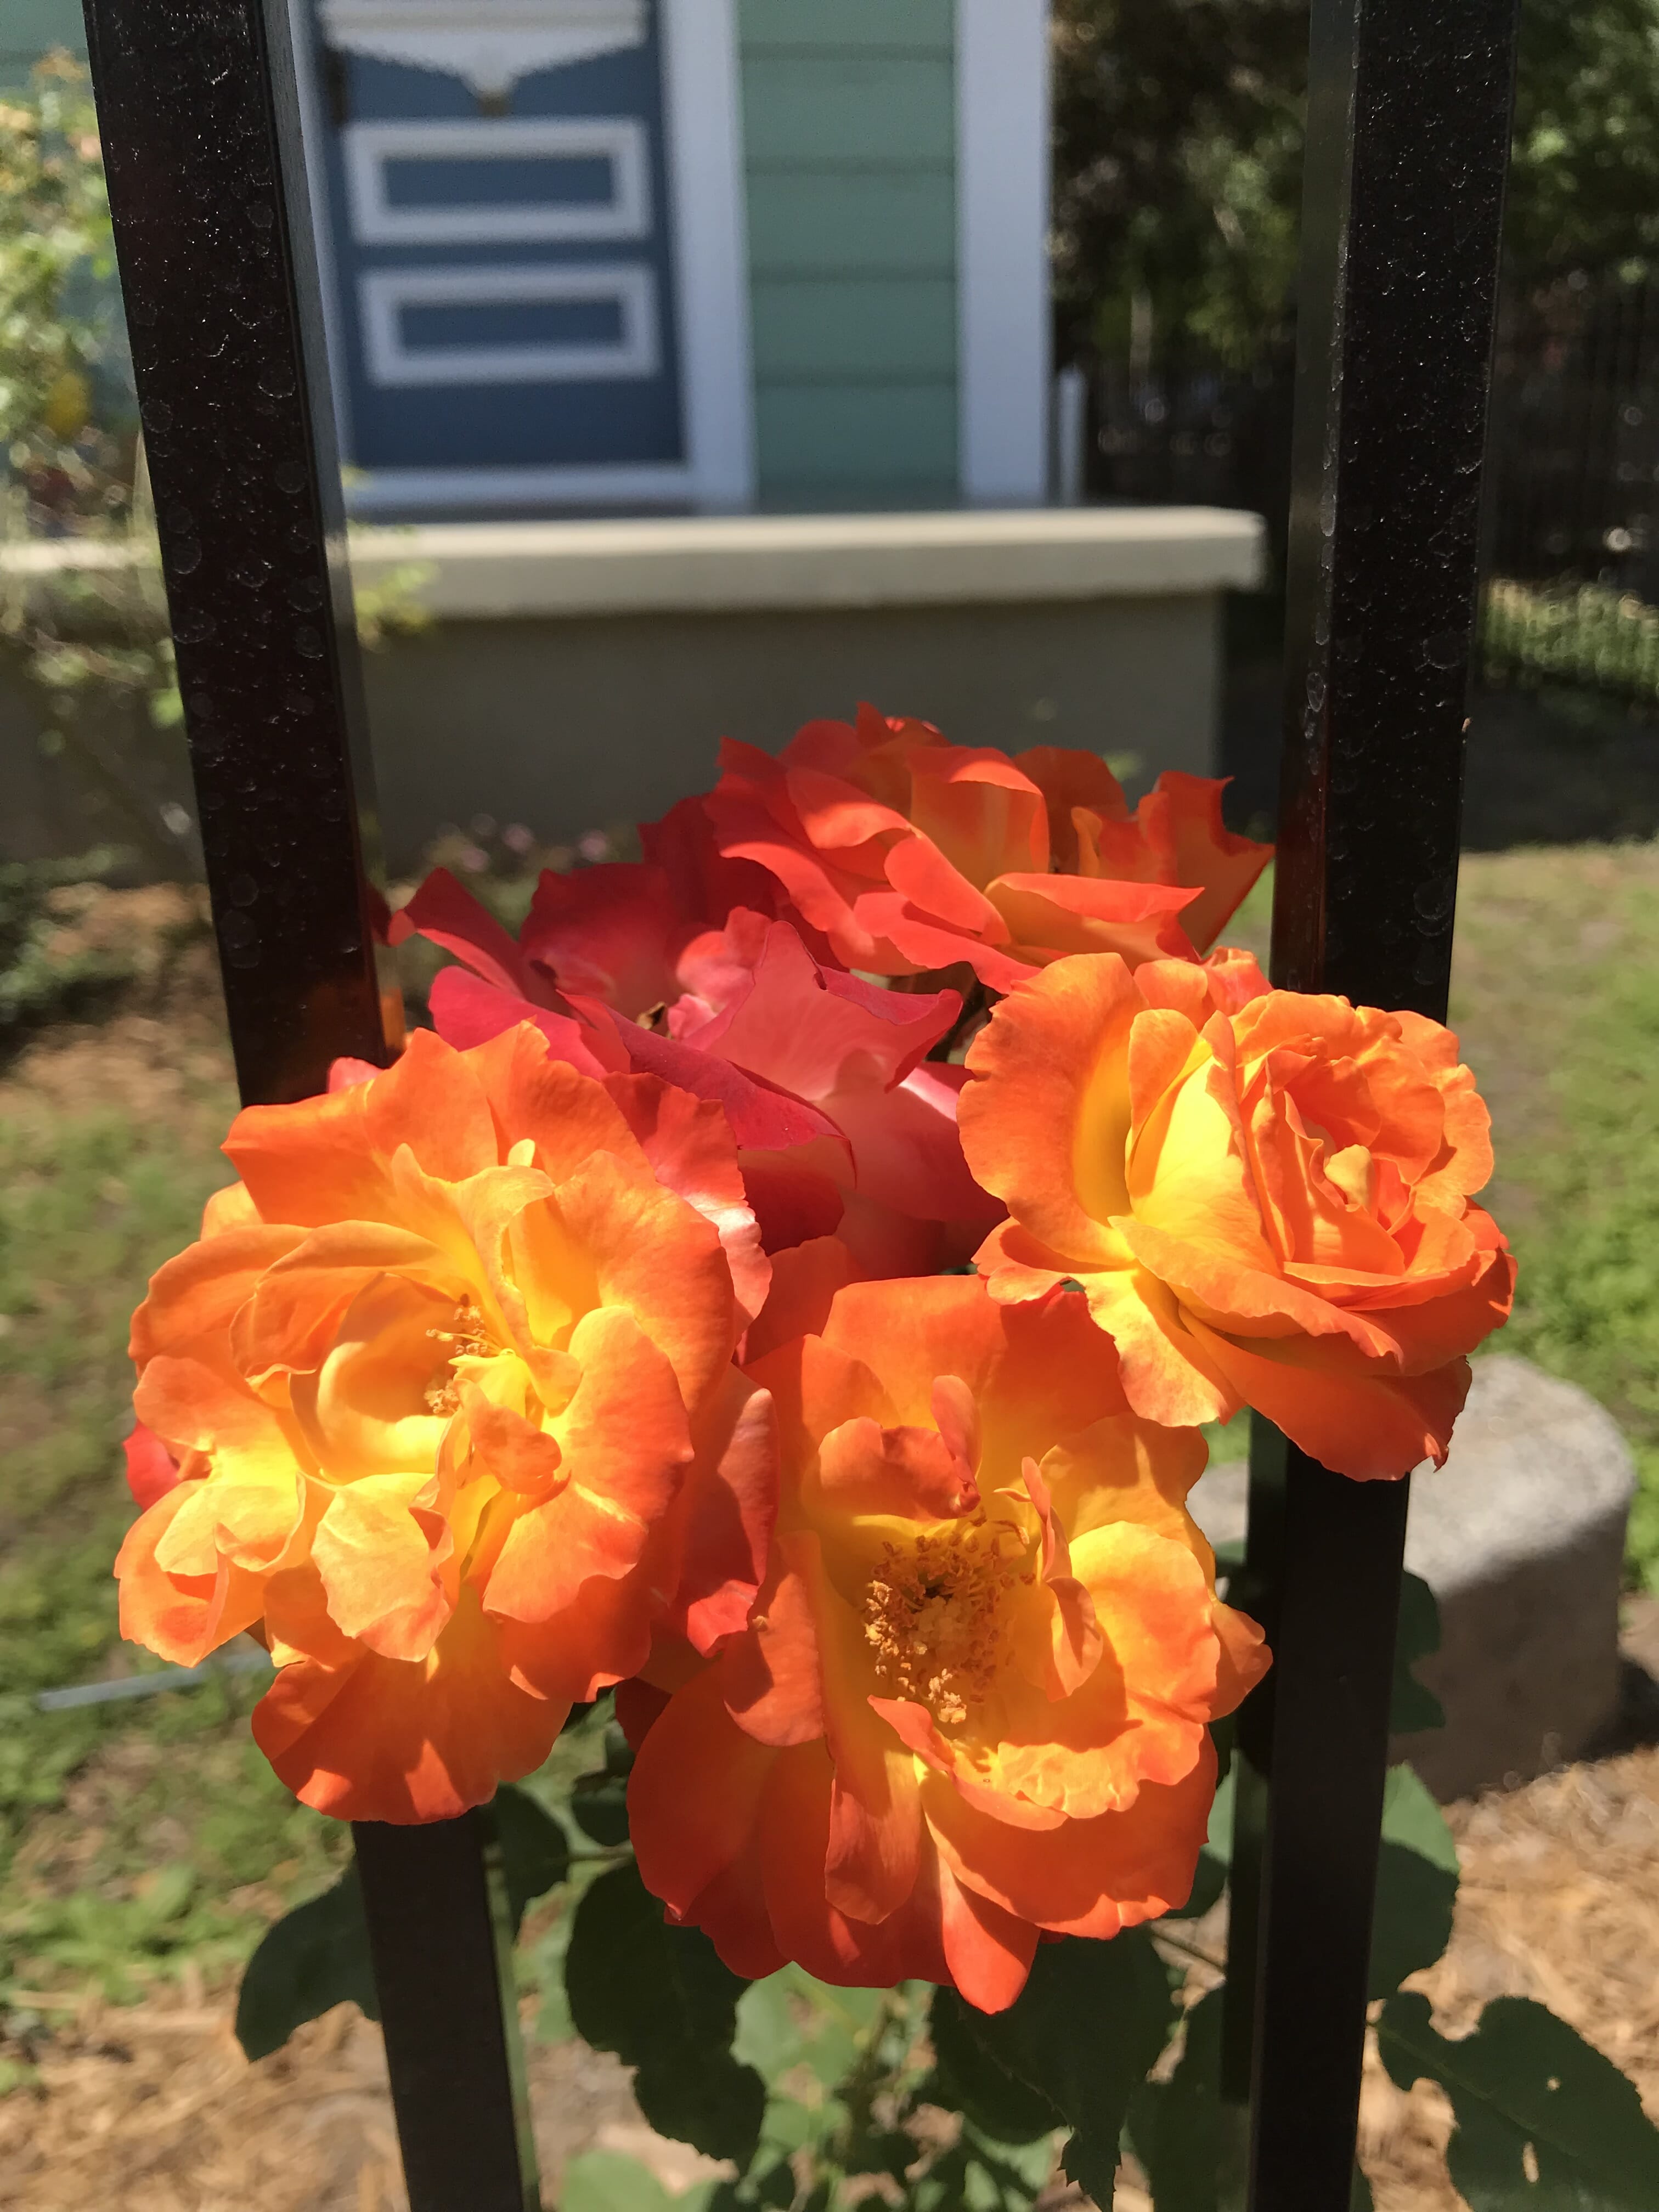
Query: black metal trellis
[(1406, 150), (198, 113), (1407, 143)]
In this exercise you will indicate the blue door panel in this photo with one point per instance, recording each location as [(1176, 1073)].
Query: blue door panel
[(505, 281)]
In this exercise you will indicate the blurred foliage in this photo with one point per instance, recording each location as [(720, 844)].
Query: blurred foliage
[(90, 644), (45, 971), (59, 317), (1581, 634), (1178, 135), (83, 620), (1584, 189), (1178, 168)]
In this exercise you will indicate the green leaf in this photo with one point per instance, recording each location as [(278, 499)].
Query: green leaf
[(535, 1855), (789, 2020), (1077, 2042), (599, 1806), (970, 2078), (599, 1802), (1416, 1884), (773, 2186), (1525, 2079), (315, 1957), (1177, 2127), (981, 2177), (1020, 2172), (1192, 2147), (661, 1998), (1413, 1707), (605, 2181)]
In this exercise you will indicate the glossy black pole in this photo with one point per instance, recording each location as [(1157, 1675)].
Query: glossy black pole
[(201, 138), (218, 277), (1407, 144)]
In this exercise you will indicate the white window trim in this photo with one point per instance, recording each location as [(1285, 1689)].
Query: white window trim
[(312, 123), (711, 241), (618, 140), (1002, 249), (704, 121)]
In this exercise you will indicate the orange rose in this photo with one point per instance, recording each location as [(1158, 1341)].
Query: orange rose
[(911, 854), (434, 1377), (971, 1701), (1267, 1206)]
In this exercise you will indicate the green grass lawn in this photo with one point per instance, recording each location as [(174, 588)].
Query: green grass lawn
[(132, 1836), (1556, 998), (129, 1835)]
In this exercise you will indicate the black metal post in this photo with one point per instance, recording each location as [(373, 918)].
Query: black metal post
[(427, 1891), (200, 124), (1407, 143), (1256, 1588)]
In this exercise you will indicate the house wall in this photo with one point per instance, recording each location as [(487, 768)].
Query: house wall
[(850, 131), (849, 116), (29, 28)]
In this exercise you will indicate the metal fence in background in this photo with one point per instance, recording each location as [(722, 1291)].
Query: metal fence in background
[(1573, 448), (1572, 525), (1570, 536)]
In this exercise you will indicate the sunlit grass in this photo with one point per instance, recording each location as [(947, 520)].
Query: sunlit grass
[(130, 1836)]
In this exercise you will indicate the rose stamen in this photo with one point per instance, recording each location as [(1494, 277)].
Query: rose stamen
[(468, 1340), (934, 1615)]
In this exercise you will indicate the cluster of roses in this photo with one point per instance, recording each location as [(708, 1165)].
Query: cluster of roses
[(786, 1287)]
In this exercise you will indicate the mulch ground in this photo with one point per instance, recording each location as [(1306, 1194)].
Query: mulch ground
[(153, 2108)]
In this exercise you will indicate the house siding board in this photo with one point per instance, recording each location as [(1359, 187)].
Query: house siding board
[(880, 446), (865, 330), (849, 139), (834, 222), (813, 110), (909, 27)]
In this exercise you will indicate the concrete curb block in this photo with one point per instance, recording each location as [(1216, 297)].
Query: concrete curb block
[(1521, 1536)]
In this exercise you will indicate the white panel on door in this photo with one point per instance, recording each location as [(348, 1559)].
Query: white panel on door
[(386, 293), (371, 150)]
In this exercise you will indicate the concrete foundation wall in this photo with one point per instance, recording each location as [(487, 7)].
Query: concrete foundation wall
[(570, 725), (577, 676)]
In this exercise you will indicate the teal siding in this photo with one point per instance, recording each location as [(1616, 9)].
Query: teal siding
[(29, 28), (859, 329), (821, 110), (885, 444), (819, 222), (849, 130)]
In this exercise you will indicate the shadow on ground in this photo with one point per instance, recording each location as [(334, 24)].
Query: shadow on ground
[(1559, 767), (1550, 766)]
